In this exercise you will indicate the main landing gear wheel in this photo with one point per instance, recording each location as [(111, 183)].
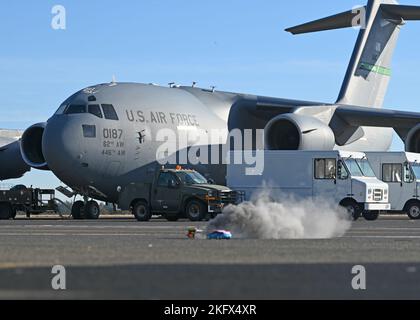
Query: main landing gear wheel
[(353, 208), (413, 210), (78, 210), (141, 211), (6, 211), (195, 210), (92, 210)]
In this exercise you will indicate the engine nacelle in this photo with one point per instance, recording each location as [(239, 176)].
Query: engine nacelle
[(31, 147), (12, 165), (297, 132), (412, 143)]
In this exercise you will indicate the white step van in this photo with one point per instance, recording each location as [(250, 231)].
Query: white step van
[(345, 178), (401, 171)]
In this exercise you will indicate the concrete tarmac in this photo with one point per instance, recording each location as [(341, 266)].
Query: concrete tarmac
[(120, 258)]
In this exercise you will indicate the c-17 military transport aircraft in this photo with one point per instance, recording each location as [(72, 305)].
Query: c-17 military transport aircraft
[(101, 138)]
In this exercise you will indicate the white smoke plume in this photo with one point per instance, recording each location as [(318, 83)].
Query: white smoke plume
[(291, 219)]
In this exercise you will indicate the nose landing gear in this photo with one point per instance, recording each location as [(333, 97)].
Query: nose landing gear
[(85, 210)]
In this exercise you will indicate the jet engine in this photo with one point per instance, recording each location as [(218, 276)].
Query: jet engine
[(12, 165), (297, 132), (412, 143), (31, 147)]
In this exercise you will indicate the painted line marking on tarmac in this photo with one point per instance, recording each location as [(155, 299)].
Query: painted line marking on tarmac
[(383, 237)]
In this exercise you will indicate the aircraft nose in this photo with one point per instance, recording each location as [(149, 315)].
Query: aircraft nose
[(62, 150)]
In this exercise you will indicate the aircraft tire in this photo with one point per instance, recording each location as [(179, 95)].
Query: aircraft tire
[(92, 210), (141, 211), (6, 211), (77, 210), (195, 210)]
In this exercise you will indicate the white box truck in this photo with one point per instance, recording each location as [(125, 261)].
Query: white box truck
[(345, 178), (401, 171)]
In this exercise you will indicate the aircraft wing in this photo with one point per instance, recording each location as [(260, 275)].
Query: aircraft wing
[(400, 121)]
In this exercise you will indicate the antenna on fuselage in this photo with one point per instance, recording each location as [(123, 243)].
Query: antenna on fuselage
[(113, 81)]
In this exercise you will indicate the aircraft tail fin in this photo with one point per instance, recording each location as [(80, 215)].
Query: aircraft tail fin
[(368, 74)]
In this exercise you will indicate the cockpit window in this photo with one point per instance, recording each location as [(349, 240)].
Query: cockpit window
[(109, 112), (95, 110), (75, 108)]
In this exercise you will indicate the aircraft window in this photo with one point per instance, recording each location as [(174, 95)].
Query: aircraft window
[(89, 131), (95, 110), (109, 112), (75, 108), (392, 173), (61, 109), (325, 169)]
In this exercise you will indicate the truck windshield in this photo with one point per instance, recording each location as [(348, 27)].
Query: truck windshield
[(353, 167), (191, 177), (366, 168), (359, 168), (416, 170)]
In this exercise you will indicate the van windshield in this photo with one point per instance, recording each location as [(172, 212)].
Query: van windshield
[(416, 170), (191, 177), (366, 168), (359, 168), (353, 167)]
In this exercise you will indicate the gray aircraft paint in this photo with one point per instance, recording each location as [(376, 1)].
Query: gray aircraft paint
[(12, 165)]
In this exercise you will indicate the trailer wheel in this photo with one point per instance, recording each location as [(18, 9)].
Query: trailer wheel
[(141, 211), (6, 211), (413, 210), (195, 210), (77, 210), (92, 210), (353, 208), (371, 215)]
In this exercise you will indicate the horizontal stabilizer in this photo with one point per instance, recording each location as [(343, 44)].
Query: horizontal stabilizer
[(338, 21), (402, 12)]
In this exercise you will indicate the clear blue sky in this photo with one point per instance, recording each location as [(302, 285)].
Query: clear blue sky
[(237, 45)]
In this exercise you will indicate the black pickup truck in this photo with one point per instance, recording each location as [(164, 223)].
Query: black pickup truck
[(28, 200), (174, 194)]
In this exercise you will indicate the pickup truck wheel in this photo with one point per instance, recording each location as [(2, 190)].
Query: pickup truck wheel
[(195, 210), (6, 211), (141, 211), (371, 215), (413, 210), (77, 210), (353, 209), (92, 210)]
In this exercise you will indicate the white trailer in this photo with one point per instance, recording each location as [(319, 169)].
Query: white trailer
[(401, 171), (346, 178)]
